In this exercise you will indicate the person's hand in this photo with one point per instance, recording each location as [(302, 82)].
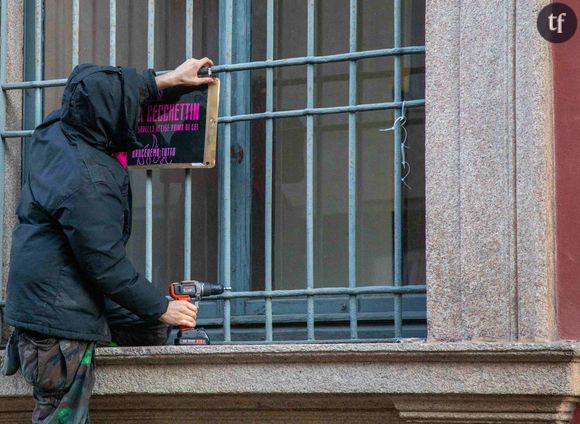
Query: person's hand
[(180, 312), (185, 74)]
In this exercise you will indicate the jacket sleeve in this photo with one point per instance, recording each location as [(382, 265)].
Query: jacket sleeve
[(147, 87), (92, 219)]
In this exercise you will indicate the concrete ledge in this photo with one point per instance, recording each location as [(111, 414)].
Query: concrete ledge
[(341, 379), (350, 352)]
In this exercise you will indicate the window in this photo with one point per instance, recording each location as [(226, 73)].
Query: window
[(313, 216)]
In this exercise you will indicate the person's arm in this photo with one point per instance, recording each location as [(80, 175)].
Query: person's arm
[(185, 74), (92, 220)]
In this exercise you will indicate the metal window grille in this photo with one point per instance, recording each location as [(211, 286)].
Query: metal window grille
[(226, 119)]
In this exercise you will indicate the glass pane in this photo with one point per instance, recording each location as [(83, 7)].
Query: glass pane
[(414, 200), (413, 25), (331, 84), (131, 41), (374, 199), (375, 24), (290, 24), (289, 203), (332, 26), (375, 179), (57, 53), (331, 200), (93, 32), (290, 41), (414, 189)]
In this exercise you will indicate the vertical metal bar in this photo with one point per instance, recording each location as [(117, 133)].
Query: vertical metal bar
[(398, 200), (241, 170), (150, 33), (3, 56), (75, 33), (188, 175), (187, 226), (352, 169), (38, 60), (189, 29), (149, 174), (310, 174), (226, 224), (112, 32), (269, 166)]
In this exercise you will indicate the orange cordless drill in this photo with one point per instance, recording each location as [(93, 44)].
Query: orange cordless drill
[(193, 290)]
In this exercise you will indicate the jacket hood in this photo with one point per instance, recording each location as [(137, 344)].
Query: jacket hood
[(100, 106)]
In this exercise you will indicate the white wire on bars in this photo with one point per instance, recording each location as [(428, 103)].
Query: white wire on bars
[(401, 121)]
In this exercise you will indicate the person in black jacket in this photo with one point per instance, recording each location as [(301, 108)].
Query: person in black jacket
[(70, 280)]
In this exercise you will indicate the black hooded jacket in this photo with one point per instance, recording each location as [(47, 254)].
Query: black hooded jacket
[(74, 217)]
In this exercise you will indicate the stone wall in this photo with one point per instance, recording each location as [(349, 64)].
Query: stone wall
[(14, 72), (490, 173)]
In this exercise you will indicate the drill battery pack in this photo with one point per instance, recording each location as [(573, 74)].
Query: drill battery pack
[(192, 336)]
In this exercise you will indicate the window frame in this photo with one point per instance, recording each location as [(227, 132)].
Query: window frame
[(236, 108)]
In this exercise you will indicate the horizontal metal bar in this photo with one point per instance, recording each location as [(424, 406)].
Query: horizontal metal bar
[(314, 60), (259, 320), (282, 114), (34, 84), (260, 342), (321, 111), (293, 61), (324, 292), (17, 134)]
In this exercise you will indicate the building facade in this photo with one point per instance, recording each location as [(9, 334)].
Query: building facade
[(392, 211)]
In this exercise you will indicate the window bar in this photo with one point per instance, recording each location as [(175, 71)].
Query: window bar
[(326, 291), (226, 274), (284, 114), (306, 60), (352, 97), (310, 174), (268, 230), (17, 134), (321, 111), (398, 201), (3, 54), (188, 175), (112, 32), (246, 66), (75, 33), (149, 173), (38, 61)]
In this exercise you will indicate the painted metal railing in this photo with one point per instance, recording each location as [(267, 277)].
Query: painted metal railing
[(226, 120)]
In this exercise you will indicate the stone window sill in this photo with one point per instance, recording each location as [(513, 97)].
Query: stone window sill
[(407, 382)]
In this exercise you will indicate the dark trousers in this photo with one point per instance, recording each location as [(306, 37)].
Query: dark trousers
[(62, 371)]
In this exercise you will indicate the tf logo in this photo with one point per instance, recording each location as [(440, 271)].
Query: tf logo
[(557, 22)]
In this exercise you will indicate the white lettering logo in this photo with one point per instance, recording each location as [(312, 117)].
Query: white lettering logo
[(559, 19)]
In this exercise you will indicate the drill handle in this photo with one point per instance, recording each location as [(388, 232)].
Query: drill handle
[(176, 296)]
